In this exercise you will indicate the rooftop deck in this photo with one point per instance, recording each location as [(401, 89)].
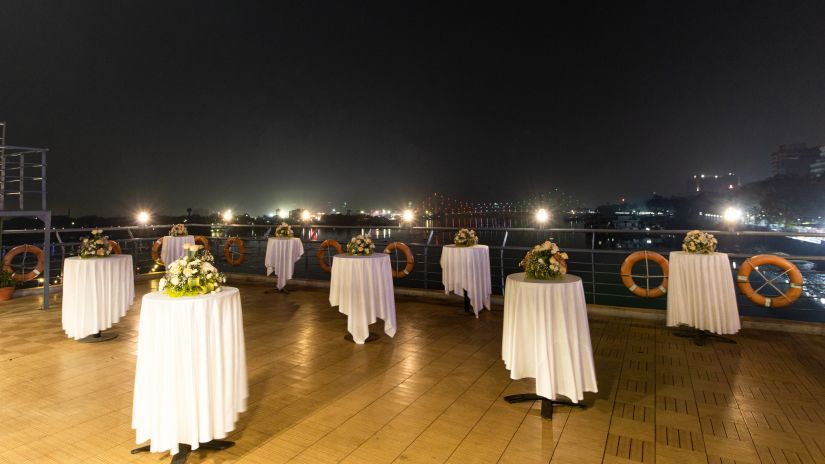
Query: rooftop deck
[(432, 394)]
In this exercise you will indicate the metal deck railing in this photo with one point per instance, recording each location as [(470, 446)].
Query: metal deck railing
[(596, 255)]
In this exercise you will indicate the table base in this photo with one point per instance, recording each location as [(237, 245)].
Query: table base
[(372, 337), (98, 337), (184, 451), (546, 404), (700, 337), (277, 290)]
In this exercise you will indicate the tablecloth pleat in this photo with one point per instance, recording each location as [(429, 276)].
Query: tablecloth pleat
[(701, 293), (172, 247), (190, 381), (468, 268), (281, 256), (97, 292), (362, 288), (546, 336)]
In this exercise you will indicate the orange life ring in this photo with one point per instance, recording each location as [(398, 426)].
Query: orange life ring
[(227, 251), (627, 273), (156, 250), (25, 249), (201, 240), (786, 298), (407, 255), (115, 247), (321, 249)]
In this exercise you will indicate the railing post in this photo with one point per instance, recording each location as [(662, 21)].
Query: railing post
[(503, 244), (426, 260), (593, 265)]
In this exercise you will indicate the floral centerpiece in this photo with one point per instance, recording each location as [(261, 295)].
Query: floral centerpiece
[(97, 246), (178, 230), (192, 275), (465, 238), (545, 261), (699, 242), (360, 245), (283, 231)]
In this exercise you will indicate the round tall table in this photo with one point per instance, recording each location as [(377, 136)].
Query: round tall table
[(172, 248), (467, 270), (701, 294), (361, 287), (190, 381), (281, 256), (97, 292), (546, 336)]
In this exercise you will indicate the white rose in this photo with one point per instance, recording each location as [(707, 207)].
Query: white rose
[(162, 284), (175, 281)]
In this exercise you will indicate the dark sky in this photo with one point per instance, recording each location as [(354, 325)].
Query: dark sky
[(260, 105)]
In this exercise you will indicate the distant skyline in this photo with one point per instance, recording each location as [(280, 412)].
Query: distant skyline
[(261, 105)]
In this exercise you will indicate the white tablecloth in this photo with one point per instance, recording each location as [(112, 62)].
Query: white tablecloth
[(361, 287), (172, 248), (190, 382), (97, 292), (468, 268), (281, 256), (701, 293), (546, 336)]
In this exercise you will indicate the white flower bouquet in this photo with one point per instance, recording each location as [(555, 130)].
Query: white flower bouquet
[(545, 261), (283, 230), (360, 245), (465, 238), (699, 242), (97, 246), (192, 275), (178, 230)]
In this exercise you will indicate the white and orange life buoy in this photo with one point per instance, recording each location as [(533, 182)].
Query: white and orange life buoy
[(407, 255), (627, 274), (323, 248), (156, 251), (24, 249), (784, 298), (115, 247), (201, 240), (227, 251)]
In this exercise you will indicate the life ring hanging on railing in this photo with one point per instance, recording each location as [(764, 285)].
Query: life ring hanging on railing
[(227, 251), (25, 249), (407, 255), (627, 274), (156, 251), (201, 240), (743, 278), (322, 248), (115, 247)]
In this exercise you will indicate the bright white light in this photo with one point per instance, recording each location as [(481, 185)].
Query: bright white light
[(227, 216), (142, 217), (305, 216), (542, 216), (407, 216), (283, 214), (732, 214)]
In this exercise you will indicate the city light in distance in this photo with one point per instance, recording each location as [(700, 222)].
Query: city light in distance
[(283, 214), (142, 218), (227, 215), (305, 216), (732, 214), (542, 216), (407, 216)]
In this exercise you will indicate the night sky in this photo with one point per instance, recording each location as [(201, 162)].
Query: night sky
[(263, 105)]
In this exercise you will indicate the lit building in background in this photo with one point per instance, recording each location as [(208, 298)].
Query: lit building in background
[(818, 166), (713, 183), (794, 159)]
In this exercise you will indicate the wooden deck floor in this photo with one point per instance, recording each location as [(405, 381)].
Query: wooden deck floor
[(432, 394)]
